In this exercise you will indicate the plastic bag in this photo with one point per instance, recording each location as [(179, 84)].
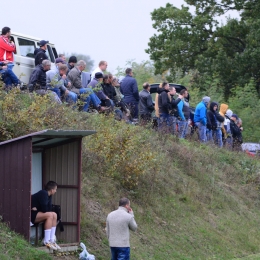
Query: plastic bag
[(84, 255)]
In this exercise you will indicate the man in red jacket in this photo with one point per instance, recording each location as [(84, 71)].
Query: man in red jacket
[(7, 47)]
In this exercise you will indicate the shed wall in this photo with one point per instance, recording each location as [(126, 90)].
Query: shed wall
[(62, 164), (15, 185)]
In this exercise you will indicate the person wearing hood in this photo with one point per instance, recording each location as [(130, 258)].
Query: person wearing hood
[(229, 138), (200, 118), (40, 53), (214, 121), (222, 111)]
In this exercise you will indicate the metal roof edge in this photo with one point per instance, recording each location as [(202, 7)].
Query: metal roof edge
[(54, 134)]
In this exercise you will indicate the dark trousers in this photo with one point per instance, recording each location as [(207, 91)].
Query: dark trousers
[(145, 119), (133, 109), (120, 253)]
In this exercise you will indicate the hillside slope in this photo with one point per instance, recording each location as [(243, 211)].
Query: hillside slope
[(191, 201)]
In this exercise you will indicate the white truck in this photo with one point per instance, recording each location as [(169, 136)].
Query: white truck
[(24, 55)]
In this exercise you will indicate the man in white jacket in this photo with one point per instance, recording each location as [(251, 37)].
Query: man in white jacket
[(117, 227)]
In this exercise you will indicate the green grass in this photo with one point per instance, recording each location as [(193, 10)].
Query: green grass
[(13, 246)]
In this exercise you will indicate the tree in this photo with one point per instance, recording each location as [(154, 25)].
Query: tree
[(197, 42), (86, 58)]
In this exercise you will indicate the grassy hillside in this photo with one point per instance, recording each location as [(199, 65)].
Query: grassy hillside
[(191, 201)]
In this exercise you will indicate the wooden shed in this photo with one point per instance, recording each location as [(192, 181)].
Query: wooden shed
[(27, 163)]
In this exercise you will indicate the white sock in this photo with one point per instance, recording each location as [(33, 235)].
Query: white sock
[(53, 230), (47, 235)]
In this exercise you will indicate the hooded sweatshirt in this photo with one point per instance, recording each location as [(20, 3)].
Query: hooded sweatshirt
[(222, 111), (214, 119)]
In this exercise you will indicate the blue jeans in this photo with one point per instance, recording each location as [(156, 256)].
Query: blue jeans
[(120, 253), (173, 124), (90, 98), (217, 136), (182, 128), (209, 135), (9, 77), (72, 97), (56, 90), (202, 132), (164, 122)]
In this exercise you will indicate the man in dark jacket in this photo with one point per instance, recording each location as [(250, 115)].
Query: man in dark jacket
[(41, 211), (214, 121), (146, 106), (236, 133), (129, 89), (40, 54)]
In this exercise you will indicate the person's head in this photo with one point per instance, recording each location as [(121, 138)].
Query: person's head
[(6, 31), (99, 76), (129, 72), (165, 85), (43, 44), (81, 65), (115, 82), (110, 78), (206, 100), (234, 117), (105, 79), (213, 106), (51, 187), (184, 93), (72, 60), (102, 65), (63, 69), (229, 113), (146, 86), (62, 56), (46, 65), (124, 202), (59, 61), (172, 91)]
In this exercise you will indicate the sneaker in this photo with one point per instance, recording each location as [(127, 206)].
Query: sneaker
[(55, 244), (50, 245)]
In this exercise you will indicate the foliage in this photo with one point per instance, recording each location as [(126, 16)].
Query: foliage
[(143, 72), (197, 42), (13, 246), (86, 58)]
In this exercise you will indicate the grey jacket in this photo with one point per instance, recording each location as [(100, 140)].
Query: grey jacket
[(145, 102), (53, 79), (98, 91), (117, 227), (74, 77)]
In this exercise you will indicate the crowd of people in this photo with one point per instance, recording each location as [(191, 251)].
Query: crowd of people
[(99, 90)]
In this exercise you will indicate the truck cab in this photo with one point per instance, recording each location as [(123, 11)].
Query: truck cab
[(24, 55)]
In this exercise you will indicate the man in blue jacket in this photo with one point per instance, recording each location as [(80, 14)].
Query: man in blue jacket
[(200, 118), (129, 89)]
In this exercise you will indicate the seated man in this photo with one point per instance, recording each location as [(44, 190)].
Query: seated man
[(8, 76), (86, 94), (96, 85), (57, 82), (41, 205), (38, 82)]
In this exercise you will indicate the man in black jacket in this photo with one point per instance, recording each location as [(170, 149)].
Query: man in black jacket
[(41, 206), (214, 121), (40, 54), (236, 133), (146, 106)]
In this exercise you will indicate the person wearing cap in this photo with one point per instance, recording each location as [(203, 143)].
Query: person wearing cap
[(40, 53), (71, 63), (96, 85), (7, 47), (200, 118)]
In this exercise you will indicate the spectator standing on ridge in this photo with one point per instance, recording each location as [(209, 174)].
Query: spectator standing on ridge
[(184, 114), (146, 106), (40, 53), (118, 224), (41, 206), (102, 66), (129, 89), (7, 48), (222, 111), (229, 139), (173, 113), (200, 118), (214, 121), (236, 133)]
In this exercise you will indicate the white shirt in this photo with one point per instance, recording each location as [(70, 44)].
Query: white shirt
[(95, 71)]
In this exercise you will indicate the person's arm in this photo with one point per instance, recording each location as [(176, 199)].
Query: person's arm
[(220, 118), (203, 115), (135, 90), (7, 46), (180, 107), (107, 229), (176, 102), (34, 77), (132, 224), (209, 125), (150, 105), (44, 202), (165, 100)]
